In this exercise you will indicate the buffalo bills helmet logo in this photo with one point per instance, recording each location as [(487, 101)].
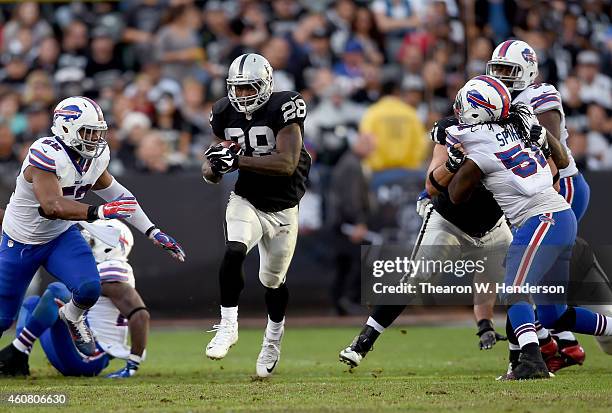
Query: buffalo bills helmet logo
[(529, 56), (70, 112), (476, 100)]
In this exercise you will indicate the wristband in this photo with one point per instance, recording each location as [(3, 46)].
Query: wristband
[(148, 232), (134, 311), (435, 183), (556, 178), (92, 213), (484, 325)]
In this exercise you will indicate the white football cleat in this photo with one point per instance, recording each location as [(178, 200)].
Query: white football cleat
[(226, 336), (268, 356), (350, 357)]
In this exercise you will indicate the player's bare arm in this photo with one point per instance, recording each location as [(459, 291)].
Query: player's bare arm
[(551, 120), (283, 160), (49, 194), (131, 306), (441, 175), (207, 173), (464, 182)]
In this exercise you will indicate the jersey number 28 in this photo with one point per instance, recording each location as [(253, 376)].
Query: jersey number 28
[(261, 140)]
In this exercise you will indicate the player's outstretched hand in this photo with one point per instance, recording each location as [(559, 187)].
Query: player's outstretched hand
[(422, 201), (168, 243), (222, 159), (487, 334), (121, 207)]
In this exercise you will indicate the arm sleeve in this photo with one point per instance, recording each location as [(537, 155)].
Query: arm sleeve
[(139, 219), (216, 117)]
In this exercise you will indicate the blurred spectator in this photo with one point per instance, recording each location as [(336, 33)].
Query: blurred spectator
[(39, 123), (366, 33), (399, 134), (351, 67), (142, 19), (75, 38), (39, 90), (103, 63), (195, 114), (152, 155), (26, 15), (348, 214), (10, 115), (48, 55), (8, 158), (395, 18), (172, 128), (14, 72), (599, 138), (284, 15), (177, 43), (573, 106), (134, 126), (278, 51), (332, 123), (594, 86)]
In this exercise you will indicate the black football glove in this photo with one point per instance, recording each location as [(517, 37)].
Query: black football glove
[(456, 158), (538, 137), (438, 131), (222, 160), (488, 335)]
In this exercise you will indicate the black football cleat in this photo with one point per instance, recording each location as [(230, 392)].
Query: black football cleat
[(530, 366), (13, 362)]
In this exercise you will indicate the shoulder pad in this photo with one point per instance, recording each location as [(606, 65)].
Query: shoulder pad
[(220, 105), (45, 154)]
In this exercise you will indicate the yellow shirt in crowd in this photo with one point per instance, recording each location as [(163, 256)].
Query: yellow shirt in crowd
[(398, 133)]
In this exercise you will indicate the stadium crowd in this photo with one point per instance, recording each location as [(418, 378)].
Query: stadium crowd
[(156, 67)]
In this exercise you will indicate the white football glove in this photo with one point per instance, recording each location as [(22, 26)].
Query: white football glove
[(422, 202)]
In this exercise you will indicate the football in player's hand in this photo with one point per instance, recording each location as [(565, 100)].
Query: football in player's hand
[(232, 146)]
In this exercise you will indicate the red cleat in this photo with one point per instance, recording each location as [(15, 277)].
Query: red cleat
[(569, 356), (549, 349)]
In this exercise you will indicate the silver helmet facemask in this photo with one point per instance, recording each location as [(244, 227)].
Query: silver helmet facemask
[(90, 141), (248, 104)]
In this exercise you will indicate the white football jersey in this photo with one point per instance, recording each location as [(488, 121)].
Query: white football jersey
[(110, 328), (518, 176), (542, 98), (22, 221)]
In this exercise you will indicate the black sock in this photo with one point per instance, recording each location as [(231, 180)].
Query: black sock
[(276, 302), (531, 348), (385, 315), (231, 277)]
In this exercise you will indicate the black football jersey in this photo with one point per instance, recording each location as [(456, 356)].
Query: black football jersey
[(257, 136)]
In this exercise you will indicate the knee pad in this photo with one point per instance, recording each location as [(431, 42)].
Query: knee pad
[(87, 293), (270, 280), (59, 291), (553, 317)]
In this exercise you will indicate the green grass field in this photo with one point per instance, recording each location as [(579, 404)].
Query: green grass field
[(413, 369)]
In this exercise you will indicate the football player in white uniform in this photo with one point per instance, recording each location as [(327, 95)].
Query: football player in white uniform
[(506, 149), (259, 133), (39, 223), (106, 318), (515, 63)]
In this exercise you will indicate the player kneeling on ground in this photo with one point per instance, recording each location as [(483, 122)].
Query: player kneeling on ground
[(263, 209), (119, 310)]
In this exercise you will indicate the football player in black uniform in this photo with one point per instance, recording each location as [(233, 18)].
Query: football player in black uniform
[(447, 224), (259, 133)]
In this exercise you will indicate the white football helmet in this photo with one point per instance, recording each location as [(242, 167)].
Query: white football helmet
[(254, 70), (103, 252), (78, 121), (515, 63), (482, 99)]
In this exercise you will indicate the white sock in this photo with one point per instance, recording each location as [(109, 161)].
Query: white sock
[(565, 335), (24, 341), (229, 314), (513, 346), (374, 324), (274, 330), (541, 332), (526, 333), (604, 325), (73, 312)]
